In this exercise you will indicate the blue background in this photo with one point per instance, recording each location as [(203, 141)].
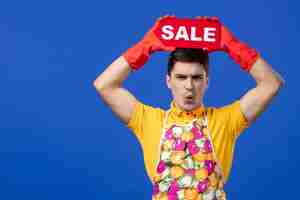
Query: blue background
[(58, 140)]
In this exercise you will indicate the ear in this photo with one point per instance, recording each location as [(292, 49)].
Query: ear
[(168, 80), (207, 83)]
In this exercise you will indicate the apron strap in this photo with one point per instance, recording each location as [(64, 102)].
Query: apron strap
[(213, 149)]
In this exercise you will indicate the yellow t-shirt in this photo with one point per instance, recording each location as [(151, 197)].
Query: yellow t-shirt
[(224, 123)]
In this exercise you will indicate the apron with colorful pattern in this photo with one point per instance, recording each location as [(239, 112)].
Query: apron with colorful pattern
[(187, 168)]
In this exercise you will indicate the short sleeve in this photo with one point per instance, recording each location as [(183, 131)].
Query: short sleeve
[(143, 119), (226, 124), (233, 118)]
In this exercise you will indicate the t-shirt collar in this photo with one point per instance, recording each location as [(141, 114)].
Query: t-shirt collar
[(180, 113)]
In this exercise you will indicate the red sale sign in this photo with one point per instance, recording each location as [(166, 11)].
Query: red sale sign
[(189, 33)]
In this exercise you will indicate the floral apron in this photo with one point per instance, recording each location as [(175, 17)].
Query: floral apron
[(187, 168)]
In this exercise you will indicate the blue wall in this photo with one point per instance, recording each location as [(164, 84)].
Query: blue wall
[(59, 141)]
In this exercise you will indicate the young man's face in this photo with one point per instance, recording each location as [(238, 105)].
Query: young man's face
[(188, 82)]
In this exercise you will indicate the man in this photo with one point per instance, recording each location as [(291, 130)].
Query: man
[(188, 149)]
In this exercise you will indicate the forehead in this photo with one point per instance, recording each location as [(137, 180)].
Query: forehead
[(188, 68)]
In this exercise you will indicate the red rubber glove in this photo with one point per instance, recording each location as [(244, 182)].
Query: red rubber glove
[(240, 52), (139, 54)]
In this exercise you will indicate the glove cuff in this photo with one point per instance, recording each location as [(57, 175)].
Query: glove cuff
[(242, 54), (137, 56)]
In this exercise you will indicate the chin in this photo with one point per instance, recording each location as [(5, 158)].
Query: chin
[(189, 107)]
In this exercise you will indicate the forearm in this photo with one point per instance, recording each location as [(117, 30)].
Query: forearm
[(268, 83), (109, 86), (265, 76), (113, 76)]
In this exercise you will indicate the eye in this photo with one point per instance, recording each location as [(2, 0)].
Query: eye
[(197, 77)]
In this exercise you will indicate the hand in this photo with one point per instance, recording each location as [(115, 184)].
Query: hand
[(238, 51), (152, 41), (139, 54)]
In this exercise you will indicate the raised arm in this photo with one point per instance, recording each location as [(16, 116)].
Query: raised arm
[(268, 82), (109, 83)]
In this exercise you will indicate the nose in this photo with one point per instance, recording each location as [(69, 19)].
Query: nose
[(189, 84)]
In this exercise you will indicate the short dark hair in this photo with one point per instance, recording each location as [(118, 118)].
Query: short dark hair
[(188, 55)]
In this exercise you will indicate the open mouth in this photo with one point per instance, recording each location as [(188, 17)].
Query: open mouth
[(189, 99), (189, 96)]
